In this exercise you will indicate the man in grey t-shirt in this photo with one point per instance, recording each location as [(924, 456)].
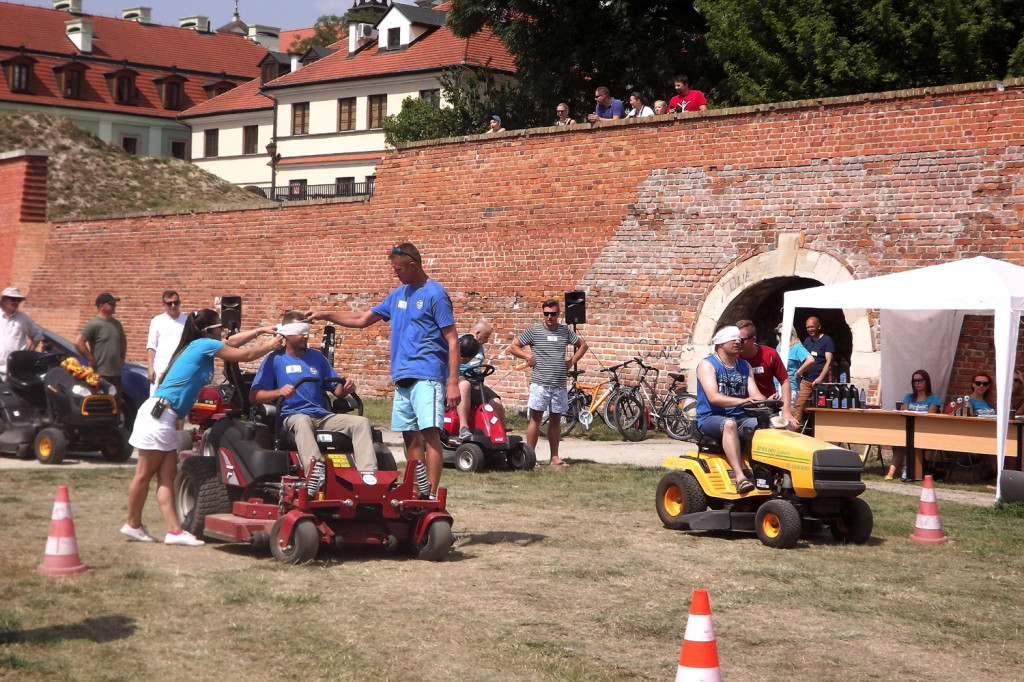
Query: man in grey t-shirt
[(102, 342), (547, 342)]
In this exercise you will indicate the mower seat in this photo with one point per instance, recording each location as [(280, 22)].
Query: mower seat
[(709, 444), (25, 373), (329, 441)]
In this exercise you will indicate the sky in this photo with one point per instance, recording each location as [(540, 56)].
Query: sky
[(283, 15)]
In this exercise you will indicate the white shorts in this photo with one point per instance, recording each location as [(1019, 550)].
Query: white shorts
[(547, 398), (155, 434)]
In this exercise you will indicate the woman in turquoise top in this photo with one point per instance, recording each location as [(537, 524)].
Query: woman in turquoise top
[(920, 399), (155, 435), (978, 399)]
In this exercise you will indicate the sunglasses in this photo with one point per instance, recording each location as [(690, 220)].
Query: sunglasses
[(917, 380), (396, 251), (562, 111), (172, 302), (212, 327), (547, 314), (981, 383)]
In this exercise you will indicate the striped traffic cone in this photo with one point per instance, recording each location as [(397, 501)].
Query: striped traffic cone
[(928, 530), (61, 556), (698, 661)]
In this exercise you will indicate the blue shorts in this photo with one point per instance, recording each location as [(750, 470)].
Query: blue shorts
[(418, 407), (714, 425), (556, 400)]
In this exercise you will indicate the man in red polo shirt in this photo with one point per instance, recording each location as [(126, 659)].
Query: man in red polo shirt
[(766, 367)]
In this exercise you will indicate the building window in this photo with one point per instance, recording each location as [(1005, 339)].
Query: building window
[(300, 118), (431, 97), (124, 89), (296, 189), (370, 179), (394, 38), (378, 110), (345, 187), (179, 149), (19, 77), (249, 136), (269, 71), (172, 95), (347, 113), (72, 83), (130, 143), (210, 142)]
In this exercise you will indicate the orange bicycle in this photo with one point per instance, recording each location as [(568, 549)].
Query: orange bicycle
[(586, 399)]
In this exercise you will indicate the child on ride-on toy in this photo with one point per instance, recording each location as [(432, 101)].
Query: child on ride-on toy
[(472, 355)]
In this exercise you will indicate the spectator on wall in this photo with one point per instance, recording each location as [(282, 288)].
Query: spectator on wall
[(637, 107), (660, 107), (494, 125), (563, 115), (608, 108), (686, 99)]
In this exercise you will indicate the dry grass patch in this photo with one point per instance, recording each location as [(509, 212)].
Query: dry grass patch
[(555, 575)]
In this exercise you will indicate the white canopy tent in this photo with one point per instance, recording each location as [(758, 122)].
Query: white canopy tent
[(922, 312)]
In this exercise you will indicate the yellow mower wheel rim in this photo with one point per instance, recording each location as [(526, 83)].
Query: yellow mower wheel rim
[(672, 500), (771, 526)]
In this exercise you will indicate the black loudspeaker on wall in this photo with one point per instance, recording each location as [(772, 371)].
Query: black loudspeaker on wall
[(231, 312), (575, 307)]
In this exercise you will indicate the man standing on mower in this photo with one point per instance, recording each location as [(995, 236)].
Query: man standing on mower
[(424, 356), (481, 332), (304, 411), (547, 342), (724, 383), (102, 342), (767, 367), (17, 330)]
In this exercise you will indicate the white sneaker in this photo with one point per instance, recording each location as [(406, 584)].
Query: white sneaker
[(140, 534), (183, 538)]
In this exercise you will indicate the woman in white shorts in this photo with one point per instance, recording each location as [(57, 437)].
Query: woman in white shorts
[(155, 432)]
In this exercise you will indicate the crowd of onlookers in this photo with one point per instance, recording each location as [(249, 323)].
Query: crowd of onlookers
[(608, 108)]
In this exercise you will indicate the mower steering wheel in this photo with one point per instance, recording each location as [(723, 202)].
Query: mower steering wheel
[(479, 372), (773, 404), (279, 402)]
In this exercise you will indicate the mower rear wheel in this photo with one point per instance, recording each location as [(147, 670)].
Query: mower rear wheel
[(778, 524), (523, 458), (199, 492), (678, 494), (469, 457), (855, 522), (435, 543), (50, 446), (116, 448), (301, 547)]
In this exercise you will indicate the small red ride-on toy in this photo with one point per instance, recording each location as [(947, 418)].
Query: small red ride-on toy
[(489, 444), (253, 489)]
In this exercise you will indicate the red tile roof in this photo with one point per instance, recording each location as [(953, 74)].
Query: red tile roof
[(245, 97)]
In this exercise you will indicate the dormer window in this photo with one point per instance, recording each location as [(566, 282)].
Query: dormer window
[(70, 79), (122, 85), (18, 72), (171, 90), (394, 38), (214, 88)]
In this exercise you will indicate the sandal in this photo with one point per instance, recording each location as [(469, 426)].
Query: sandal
[(744, 486)]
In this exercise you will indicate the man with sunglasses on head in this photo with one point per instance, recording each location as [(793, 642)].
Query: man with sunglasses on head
[(424, 355), (164, 335), (547, 341), (766, 367)]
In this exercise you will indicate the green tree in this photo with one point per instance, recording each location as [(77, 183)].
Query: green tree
[(328, 29), (563, 50), (773, 51)]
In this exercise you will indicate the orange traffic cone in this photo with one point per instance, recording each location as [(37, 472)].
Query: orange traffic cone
[(928, 529), (698, 661), (61, 557)]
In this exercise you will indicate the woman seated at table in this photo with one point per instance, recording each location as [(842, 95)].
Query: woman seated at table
[(920, 399), (978, 399)]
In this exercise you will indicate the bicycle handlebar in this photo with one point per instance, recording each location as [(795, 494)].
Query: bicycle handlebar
[(617, 367)]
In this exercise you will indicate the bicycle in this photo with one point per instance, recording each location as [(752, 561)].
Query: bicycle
[(586, 399), (676, 411)]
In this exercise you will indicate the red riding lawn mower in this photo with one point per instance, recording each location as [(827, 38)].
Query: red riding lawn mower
[(246, 485)]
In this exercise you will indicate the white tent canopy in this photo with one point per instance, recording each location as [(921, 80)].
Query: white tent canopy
[(922, 312)]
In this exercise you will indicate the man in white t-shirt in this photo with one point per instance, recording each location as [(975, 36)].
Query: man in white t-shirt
[(164, 336)]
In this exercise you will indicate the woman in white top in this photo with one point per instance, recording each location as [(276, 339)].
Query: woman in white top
[(563, 115), (639, 109)]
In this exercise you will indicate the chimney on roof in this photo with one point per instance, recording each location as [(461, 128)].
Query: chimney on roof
[(139, 14), (267, 36), (71, 6), (197, 23), (296, 62), (79, 32)]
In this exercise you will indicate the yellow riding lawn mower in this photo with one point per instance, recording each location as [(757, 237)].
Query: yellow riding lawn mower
[(800, 484)]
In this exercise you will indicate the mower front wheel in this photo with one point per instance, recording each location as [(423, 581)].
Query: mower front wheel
[(469, 457), (523, 458), (678, 494), (855, 522), (778, 524), (199, 492), (301, 547), (435, 543), (50, 446), (116, 448)]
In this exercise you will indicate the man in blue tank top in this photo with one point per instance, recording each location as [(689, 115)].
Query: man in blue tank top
[(724, 383)]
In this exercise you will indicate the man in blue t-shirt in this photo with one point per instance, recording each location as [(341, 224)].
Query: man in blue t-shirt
[(724, 384), (304, 411), (607, 108), (424, 355), (820, 347)]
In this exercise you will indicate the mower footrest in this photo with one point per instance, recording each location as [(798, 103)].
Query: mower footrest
[(231, 528), (709, 520)]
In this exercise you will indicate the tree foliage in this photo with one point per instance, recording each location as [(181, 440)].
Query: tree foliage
[(774, 51), (565, 49), (328, 29)]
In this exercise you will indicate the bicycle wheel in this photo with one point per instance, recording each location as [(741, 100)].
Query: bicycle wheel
[(577, 401), (608, 409), (631, 417), (680, 420)]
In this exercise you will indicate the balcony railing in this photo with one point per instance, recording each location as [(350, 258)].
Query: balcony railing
[(308, 192)]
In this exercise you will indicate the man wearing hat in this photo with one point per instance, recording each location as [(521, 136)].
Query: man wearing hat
[(494, 125), (724, 383), (17, 330), (102, 342)]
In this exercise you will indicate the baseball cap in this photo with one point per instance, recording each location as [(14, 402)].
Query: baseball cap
[(495, 117), (106, 297), (12, 292)]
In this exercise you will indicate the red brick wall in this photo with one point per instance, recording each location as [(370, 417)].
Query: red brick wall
[(645, 216)]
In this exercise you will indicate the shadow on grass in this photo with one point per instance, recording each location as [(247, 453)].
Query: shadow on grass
[(499, 537), (99, 630)]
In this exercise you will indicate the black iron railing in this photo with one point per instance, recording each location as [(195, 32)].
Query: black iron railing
[(306, 192)]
